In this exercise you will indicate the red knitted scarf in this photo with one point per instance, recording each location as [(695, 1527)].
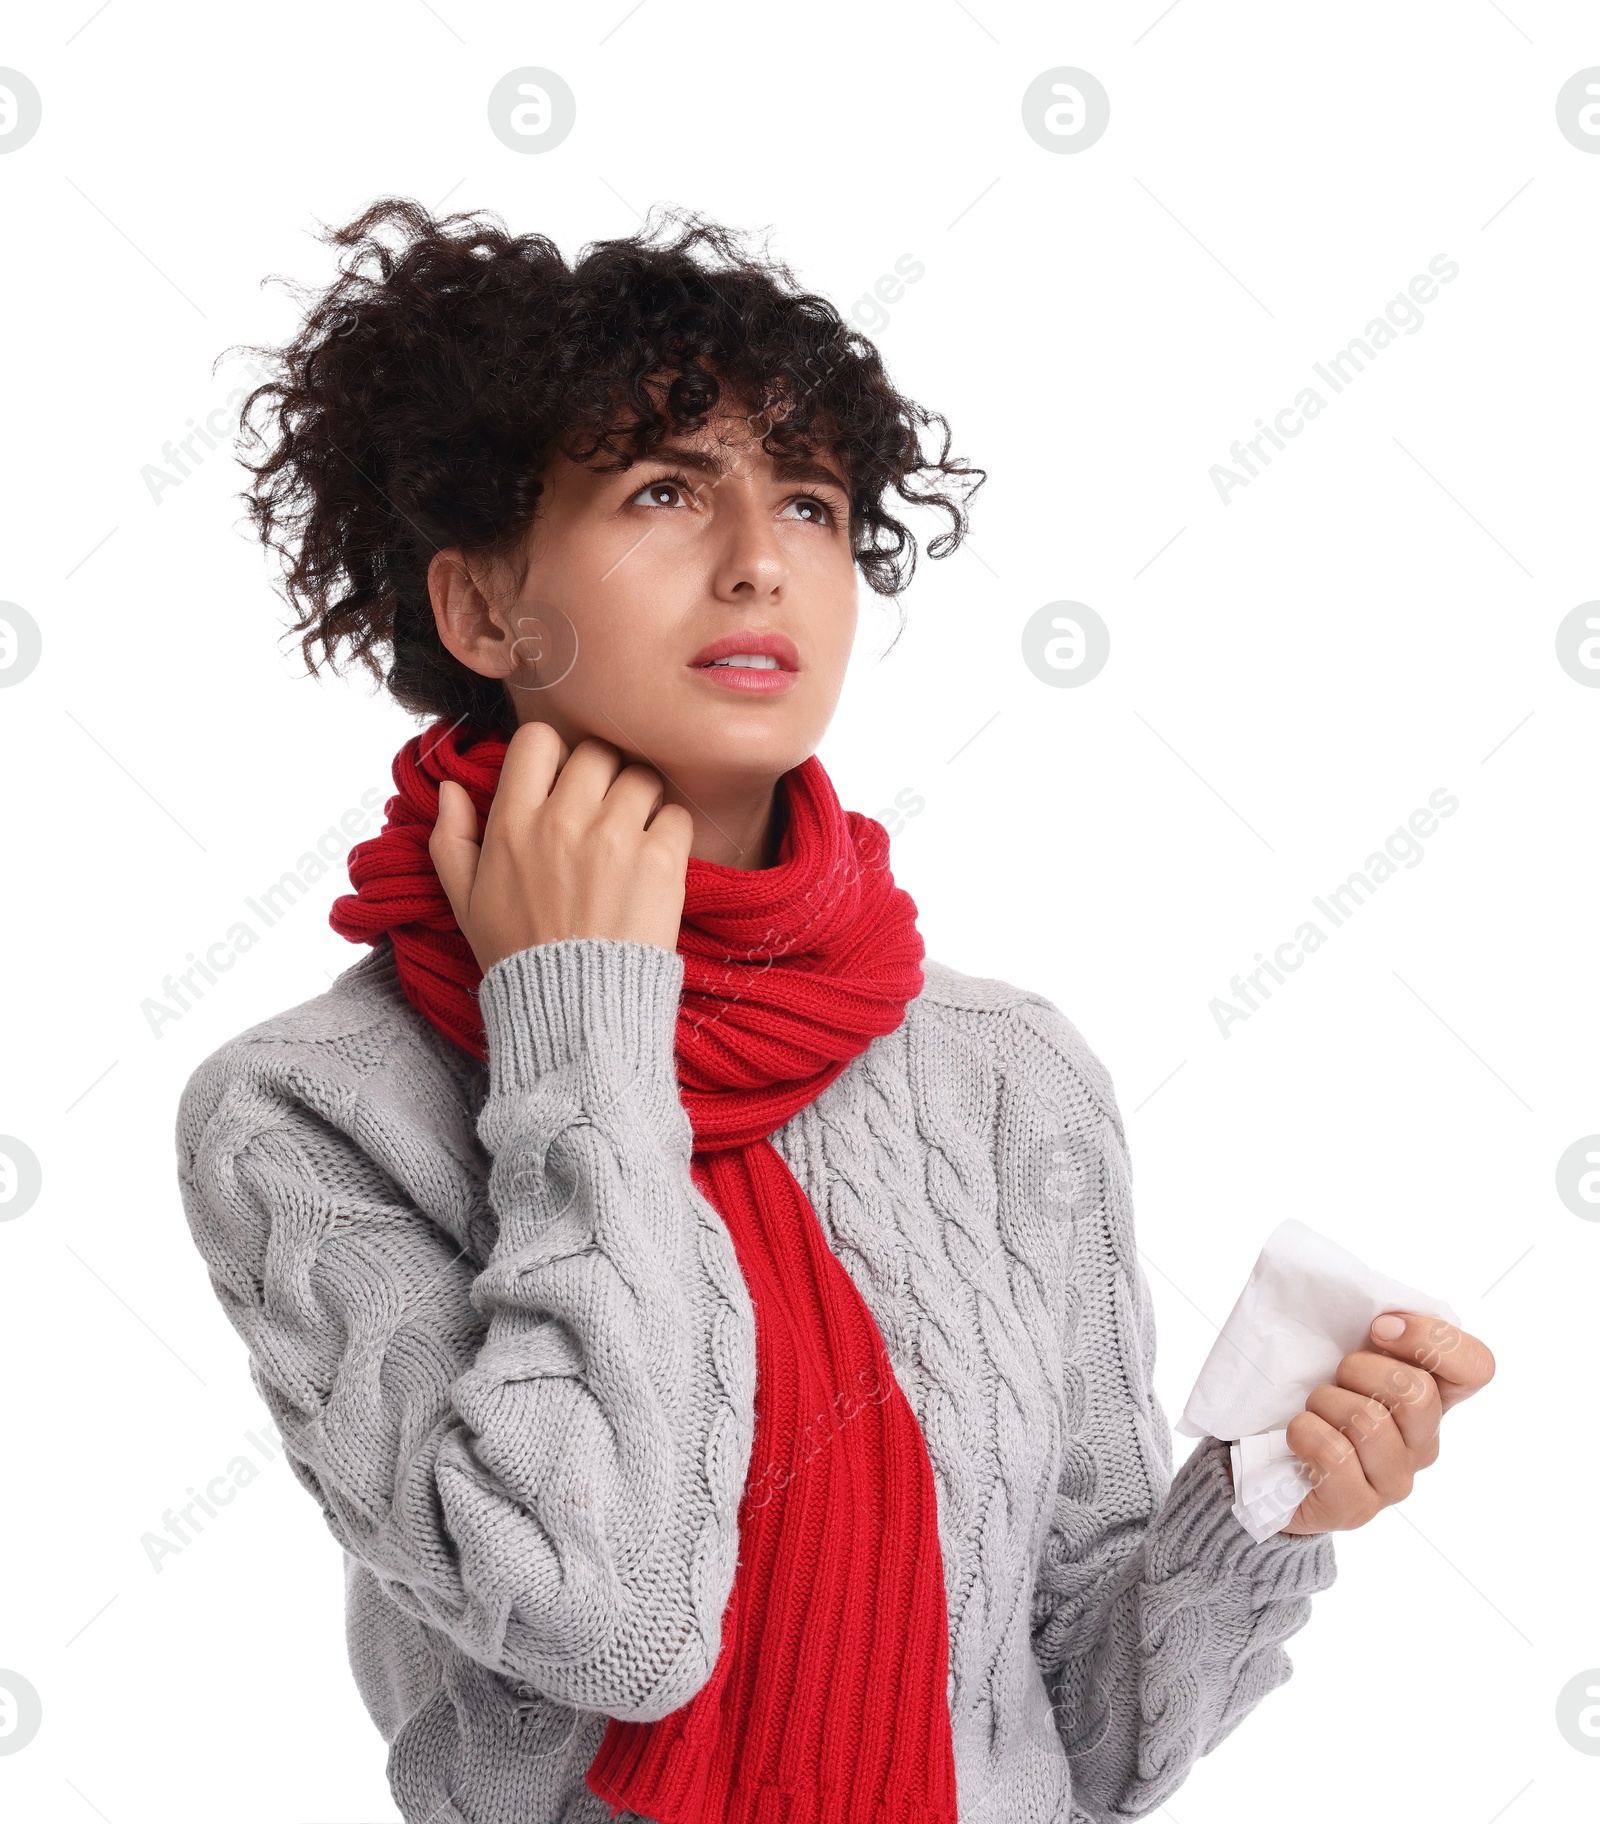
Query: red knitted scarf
[(827, 1704)]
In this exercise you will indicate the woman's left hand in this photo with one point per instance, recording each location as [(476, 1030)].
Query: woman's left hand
[(1364, 1435)]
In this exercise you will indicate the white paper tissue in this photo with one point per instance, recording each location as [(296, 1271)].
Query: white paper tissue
[(1306, 1305)]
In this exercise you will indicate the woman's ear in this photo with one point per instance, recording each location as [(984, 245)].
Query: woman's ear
[(469, 625)]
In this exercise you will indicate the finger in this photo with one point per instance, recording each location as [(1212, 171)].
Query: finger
[(588, 772), (1340, 1495), (1459, 1362), (673, 827), (1410, 1393), (453, 847), (634, 796), (534, 757), (1369, 1425)]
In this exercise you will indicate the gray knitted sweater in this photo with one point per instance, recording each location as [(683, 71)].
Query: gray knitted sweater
[(512, 1356)]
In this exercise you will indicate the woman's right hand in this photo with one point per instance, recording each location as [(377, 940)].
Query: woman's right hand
[(577, 844)]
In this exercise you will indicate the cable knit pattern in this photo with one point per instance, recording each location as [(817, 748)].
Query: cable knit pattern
[(511, 1355)]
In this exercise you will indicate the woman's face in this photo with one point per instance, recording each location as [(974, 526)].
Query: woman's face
[(640, 581)]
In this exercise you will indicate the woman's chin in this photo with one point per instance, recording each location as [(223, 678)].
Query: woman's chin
[(710, 753), (718, 732)]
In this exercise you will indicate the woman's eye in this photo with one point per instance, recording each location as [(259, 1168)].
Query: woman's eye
[(656, 494), (669, 493), (815, 512)]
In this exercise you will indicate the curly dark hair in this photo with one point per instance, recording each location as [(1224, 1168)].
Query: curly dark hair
[(432, 382)]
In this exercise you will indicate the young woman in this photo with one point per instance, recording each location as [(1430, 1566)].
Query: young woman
[(712, 1330)]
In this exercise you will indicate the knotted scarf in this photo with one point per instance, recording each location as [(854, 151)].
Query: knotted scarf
[(827, 1703)]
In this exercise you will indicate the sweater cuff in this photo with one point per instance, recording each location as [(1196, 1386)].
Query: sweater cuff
[(555, 1003), (1199, 1527)]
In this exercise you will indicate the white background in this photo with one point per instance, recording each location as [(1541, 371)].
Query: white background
[(1371, 619)]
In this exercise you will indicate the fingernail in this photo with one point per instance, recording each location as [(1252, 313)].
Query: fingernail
[(1387, 1327)]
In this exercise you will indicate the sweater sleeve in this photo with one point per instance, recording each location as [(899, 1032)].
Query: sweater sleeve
[(1159, 1622), (543, 1458)]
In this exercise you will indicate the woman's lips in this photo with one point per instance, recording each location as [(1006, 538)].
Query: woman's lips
[(760, 664), (753, 680)]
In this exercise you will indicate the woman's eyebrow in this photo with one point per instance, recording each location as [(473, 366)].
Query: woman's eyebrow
[(796, 467), (806, 468)]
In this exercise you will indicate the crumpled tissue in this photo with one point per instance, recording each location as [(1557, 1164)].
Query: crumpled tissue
[(1306, 1305)]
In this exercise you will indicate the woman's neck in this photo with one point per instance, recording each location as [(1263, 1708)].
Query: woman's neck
[(738, 823)]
